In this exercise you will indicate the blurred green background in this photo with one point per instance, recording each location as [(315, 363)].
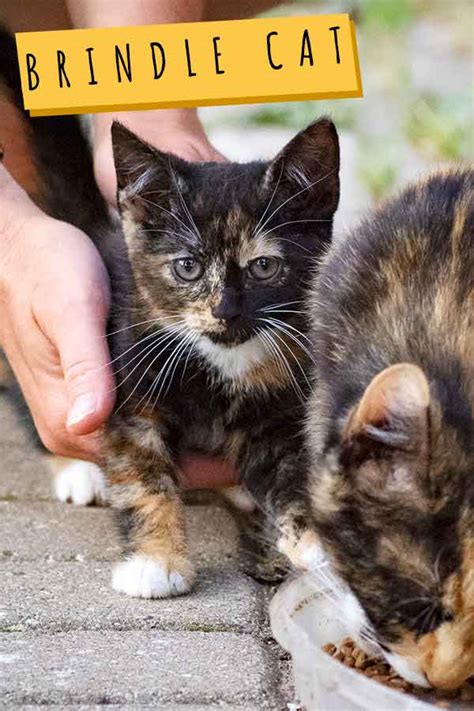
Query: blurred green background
[(417, 112)]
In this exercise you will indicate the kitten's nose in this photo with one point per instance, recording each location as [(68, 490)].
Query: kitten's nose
[(228, 309)]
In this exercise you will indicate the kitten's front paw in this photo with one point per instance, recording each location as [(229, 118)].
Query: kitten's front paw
[(142, 576), (305, 552), (81, 483)]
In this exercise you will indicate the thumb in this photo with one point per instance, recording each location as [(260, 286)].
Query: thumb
[(85, 363)]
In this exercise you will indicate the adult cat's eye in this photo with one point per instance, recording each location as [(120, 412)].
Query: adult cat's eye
[(264, 268), (188, 268)]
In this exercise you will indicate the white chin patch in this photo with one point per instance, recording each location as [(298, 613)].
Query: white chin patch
[(232, 361), (81, 483), (141, 576), (408, 669)]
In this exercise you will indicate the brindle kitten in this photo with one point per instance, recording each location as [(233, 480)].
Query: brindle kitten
[(209, 348), (391, 427)]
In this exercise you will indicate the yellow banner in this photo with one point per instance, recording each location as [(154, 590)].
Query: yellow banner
[(189, 64)]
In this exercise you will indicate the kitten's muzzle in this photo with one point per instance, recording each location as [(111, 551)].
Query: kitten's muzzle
[(229, 308)]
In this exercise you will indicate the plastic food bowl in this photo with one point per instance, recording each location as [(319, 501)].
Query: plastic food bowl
[(303, 620)]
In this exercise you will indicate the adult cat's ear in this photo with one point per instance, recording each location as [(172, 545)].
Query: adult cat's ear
[(144, 173), (393, 412), (307, 169)]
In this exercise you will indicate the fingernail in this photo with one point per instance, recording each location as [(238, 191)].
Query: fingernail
[(83, 406)]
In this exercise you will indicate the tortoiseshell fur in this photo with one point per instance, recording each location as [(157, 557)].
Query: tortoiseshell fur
[(219, 386), (391, 424)]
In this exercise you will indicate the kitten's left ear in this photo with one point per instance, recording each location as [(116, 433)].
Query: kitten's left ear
[(309, 165), (393, 412), (142, 171)]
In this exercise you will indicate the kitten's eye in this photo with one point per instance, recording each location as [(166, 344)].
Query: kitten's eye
[(188, 268), (264, 268)]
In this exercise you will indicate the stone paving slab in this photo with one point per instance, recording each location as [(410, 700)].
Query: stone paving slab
[(54, 531), (24, 474), (137, 668), (224, 600)]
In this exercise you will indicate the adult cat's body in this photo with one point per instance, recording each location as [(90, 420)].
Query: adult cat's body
[(391, 426)]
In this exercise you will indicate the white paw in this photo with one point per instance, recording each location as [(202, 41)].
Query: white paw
[(141, 576), (313, 558), (81, 483), (239, 497)]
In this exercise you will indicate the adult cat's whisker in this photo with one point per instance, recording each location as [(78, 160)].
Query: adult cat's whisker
[(292, 197)]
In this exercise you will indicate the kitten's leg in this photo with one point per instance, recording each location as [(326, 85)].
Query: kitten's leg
[(277, 479), (151, 516)]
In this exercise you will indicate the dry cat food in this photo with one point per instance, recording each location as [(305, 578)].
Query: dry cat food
[(347, 653)]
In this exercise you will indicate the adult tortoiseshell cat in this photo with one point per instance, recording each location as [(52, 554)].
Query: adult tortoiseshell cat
[(391, 427)]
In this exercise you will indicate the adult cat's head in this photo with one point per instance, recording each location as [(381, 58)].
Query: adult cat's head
[(394, 500), (214, 244)]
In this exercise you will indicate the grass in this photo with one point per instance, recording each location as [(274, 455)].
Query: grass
[(442, 127)]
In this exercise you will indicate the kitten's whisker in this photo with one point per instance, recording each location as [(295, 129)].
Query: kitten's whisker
[(286, 303), (187, 341), (173, 336), (296, 340), (289, 370), (167, 367), (147, 370), (256, 228), (135, 325), (290, 222), (290, 326), (296, 244), (261, 333), (162, 333), (187, 212), (151, 390), (290, 350), (292, 197), (168, 212), (191, 351)]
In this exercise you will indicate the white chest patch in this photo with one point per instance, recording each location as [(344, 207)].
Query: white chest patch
[(232, 362)]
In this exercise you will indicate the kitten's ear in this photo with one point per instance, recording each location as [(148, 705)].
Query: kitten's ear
[(143, 172), (393, 412), (308, 164)]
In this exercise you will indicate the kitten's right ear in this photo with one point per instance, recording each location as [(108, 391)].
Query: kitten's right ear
[(140, 169), (307, 169)]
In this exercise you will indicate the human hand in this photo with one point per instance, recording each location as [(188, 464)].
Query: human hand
[(54, 300), (176, 131)]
